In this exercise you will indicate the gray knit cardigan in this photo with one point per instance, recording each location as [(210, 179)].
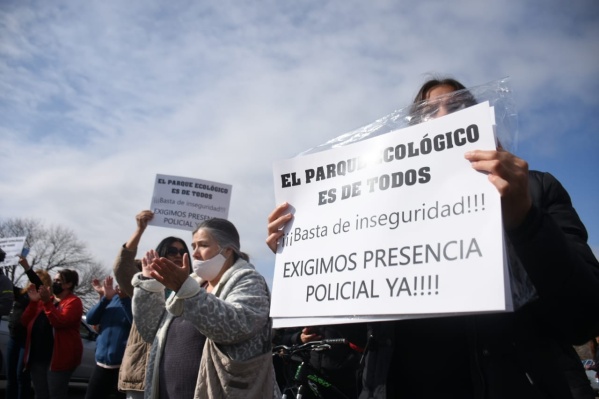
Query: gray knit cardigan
[(234, 316)]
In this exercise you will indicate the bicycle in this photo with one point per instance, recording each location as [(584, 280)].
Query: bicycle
[(306, 381)]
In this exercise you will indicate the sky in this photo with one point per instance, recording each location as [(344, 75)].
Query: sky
[(98, 97)]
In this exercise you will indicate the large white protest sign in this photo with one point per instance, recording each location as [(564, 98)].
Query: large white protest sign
[(183, 202), (400, 224), (13, 247)]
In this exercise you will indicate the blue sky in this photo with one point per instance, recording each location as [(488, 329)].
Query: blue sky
[(97, 97)]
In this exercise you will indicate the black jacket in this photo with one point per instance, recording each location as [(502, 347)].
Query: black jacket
[(523, 354), (16, 329)]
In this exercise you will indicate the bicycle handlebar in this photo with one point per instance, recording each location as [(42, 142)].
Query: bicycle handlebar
[(335, 341), (284, 350)]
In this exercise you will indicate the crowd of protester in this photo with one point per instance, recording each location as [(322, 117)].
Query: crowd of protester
[(183, 324)]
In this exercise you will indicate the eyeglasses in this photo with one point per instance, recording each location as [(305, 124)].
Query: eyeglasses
[(172, 251)]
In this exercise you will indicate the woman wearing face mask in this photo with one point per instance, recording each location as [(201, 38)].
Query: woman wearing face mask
[(53, 349), (228, 351)]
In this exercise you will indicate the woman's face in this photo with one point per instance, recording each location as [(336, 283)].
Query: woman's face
[(204, 246), (59, 279), (175, 252), (439, 91)]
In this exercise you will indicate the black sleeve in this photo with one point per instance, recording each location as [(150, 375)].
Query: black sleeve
[(287, 336), (33, 277), (552, 246)]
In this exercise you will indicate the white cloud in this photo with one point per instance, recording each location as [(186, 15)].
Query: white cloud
[(101, 96)]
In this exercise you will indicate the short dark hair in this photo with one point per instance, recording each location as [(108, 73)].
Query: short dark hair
[(70, 276)]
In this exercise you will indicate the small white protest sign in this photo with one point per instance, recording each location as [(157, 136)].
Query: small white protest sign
[(184, 202), (13, 247), (400, 224)]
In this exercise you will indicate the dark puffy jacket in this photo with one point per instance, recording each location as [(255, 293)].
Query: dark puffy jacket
[(523, 354)]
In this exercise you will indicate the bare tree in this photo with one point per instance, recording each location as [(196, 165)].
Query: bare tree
[(52, 249)]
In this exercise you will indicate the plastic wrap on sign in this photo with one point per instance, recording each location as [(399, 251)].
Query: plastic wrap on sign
[(500, 97), (498, 93)]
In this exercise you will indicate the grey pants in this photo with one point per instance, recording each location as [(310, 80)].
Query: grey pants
[(49, 384)]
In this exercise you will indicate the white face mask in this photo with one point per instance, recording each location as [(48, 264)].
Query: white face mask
[(209, 269)]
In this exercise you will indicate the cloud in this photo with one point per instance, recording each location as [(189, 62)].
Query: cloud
[(99, 97)]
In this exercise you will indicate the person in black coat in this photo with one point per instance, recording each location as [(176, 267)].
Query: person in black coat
[(525, 354), (18, 380)]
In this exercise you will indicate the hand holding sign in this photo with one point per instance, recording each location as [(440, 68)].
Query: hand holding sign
[(509, 174), (143, 218), (276, 222), (390, 247), (23, 262)]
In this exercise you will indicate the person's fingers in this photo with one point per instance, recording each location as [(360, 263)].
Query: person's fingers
[(273, 239), (309, 337), (509, 175), (276, 221), (150, 256), (186, 262), (156, 276), (143, 218), (163, 266), (480, 155), (278, 211)]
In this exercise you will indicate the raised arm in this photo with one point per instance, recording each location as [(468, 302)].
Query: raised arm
[(31, 275), (124, 266)]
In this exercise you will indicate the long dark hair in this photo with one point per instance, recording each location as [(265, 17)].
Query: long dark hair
[(162, 248), (422, 109), (434, 82)]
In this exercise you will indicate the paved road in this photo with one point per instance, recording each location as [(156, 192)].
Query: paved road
[(76, 390)]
